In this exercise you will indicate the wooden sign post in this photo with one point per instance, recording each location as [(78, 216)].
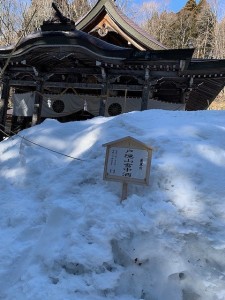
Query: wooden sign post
[(128, 161)]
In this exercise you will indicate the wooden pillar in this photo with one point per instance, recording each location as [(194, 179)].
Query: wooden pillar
[(147, 92), (104, 93), (104, 96), (183, 96), (185, 92), (4, 104), (145, 97), (36, 118)]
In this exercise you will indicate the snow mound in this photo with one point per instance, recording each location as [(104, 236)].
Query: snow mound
[(65, 235)]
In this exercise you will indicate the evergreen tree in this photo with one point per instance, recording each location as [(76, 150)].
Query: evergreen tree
[(190, 6), (205, 24), (195, 24), (202, 4), (184, 28)]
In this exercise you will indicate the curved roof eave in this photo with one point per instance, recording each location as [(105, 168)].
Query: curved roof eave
[(131, 29), (75, 39)]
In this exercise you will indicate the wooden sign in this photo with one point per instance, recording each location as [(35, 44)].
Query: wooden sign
[(128, 161)]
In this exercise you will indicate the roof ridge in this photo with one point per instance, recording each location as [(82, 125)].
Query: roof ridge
[(108, 5), (135, 25), (92, 8)]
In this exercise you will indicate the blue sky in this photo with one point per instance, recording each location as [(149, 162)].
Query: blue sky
[(174, 5)]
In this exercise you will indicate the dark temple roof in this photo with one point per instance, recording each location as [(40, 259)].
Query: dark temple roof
[(64, 50), (44, 48)]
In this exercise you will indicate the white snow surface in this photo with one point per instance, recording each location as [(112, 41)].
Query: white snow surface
[(65, 235)]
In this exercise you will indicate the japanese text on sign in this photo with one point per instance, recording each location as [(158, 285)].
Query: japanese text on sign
[(127, 162)]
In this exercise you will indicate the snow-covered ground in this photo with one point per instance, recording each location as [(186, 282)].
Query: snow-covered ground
[(64, 234)]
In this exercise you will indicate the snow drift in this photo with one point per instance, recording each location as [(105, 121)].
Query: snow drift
[(65, 235)]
